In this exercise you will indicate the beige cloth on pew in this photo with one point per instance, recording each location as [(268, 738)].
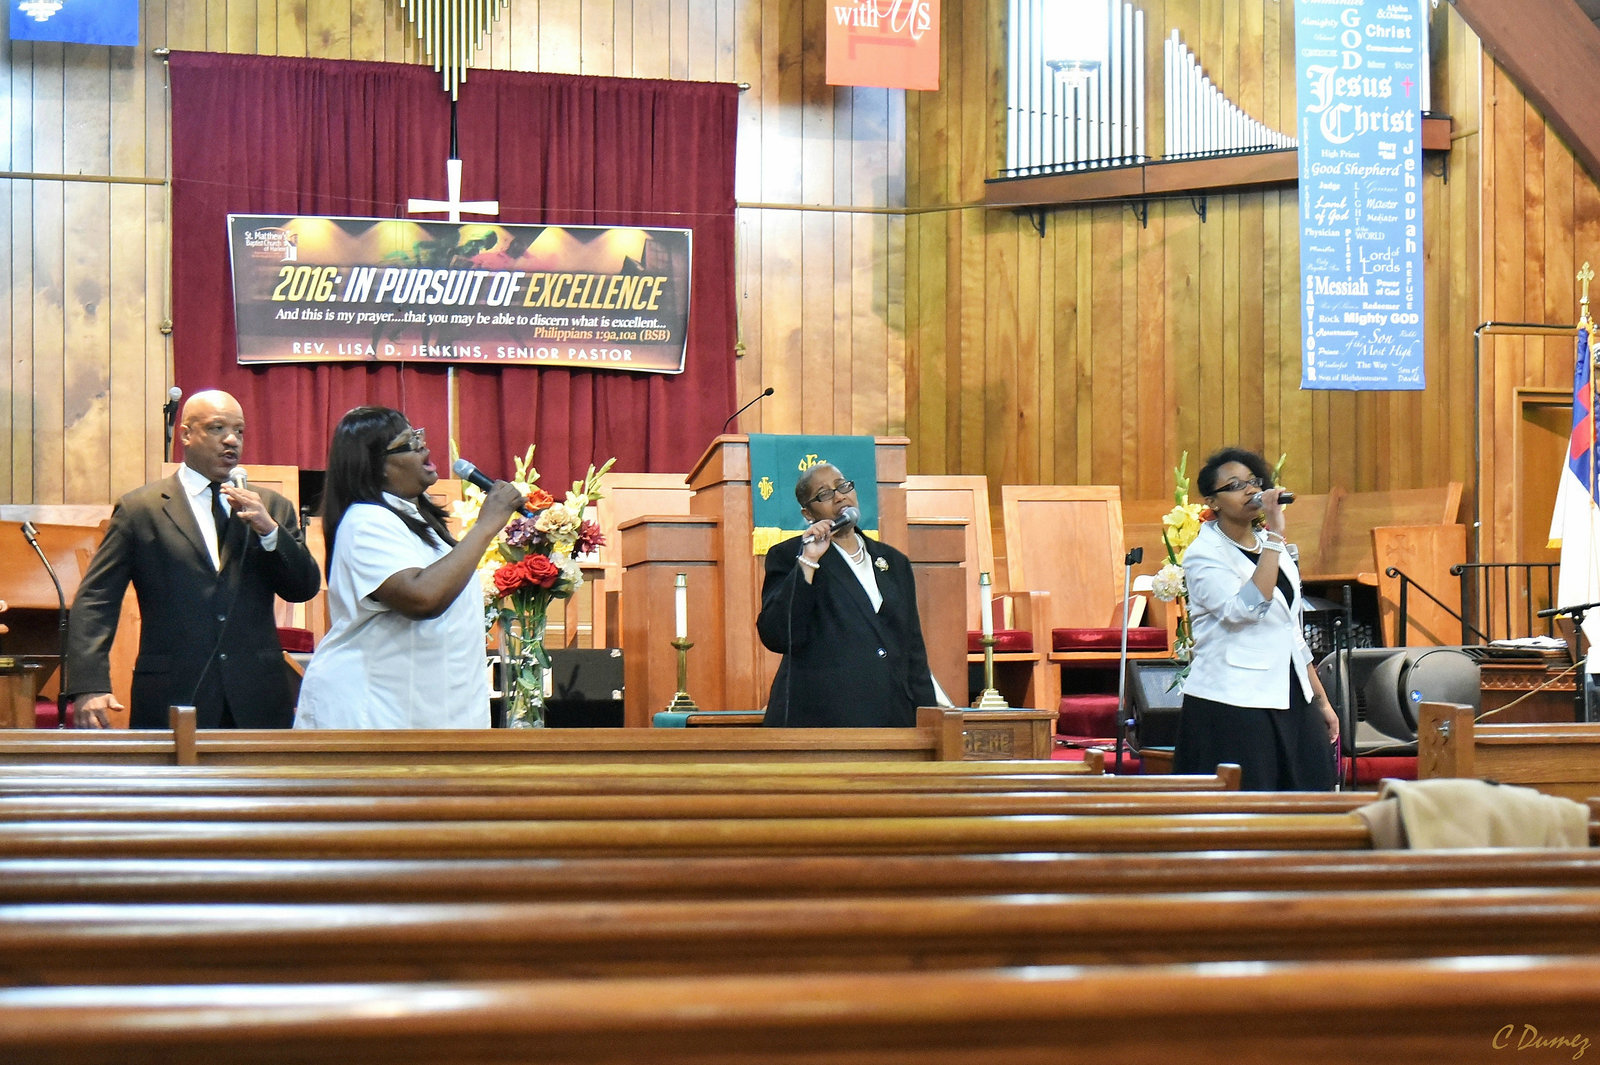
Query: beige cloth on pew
[(1447, 813)]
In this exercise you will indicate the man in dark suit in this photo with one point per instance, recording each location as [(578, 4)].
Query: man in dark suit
[(842, 610), (205, 559)]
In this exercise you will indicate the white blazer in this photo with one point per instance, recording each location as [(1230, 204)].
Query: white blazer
[(1244, 646)]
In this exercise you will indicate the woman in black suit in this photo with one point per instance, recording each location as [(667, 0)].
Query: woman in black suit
[(842, 610)]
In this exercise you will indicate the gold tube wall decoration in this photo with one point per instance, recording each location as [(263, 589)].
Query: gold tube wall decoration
[(451, 32)]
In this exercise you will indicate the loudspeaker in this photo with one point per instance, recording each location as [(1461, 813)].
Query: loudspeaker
[(1346, 677), (1156, 702), (586, 688)]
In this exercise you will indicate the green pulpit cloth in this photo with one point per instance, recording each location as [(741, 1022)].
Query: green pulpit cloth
[(776, 463)]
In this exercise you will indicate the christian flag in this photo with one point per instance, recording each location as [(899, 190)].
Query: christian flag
[(1575, 526)]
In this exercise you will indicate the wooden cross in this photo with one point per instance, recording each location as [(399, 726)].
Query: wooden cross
[(453, 206)]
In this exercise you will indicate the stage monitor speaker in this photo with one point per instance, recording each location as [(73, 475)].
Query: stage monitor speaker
[(586, 688), (1155, 701), (1346, 677)]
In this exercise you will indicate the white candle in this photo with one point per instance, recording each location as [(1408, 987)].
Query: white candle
[(988, 603), (680, 603)]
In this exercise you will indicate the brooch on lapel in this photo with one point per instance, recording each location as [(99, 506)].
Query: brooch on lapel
[(882, 564)]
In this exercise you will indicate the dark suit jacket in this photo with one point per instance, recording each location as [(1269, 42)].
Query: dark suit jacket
[(191, 614), (843, 664)]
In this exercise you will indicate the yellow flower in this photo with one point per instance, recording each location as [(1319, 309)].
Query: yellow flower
[(1181, 525)]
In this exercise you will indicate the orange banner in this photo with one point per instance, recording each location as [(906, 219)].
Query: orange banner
[(892, 44)]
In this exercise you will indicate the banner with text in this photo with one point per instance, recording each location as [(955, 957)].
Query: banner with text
[(1358, 64), (891, 44), (313, 289)]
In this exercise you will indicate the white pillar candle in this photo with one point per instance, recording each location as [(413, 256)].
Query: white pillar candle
[(988, 603), (680, 603)]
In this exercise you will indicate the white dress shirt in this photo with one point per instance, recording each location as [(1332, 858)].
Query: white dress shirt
[(197, 486)]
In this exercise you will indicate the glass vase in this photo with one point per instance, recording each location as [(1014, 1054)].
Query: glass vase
[(527, 667)]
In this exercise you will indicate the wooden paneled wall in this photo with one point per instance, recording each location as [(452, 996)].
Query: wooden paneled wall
[(1101, 350), (874, 293), (1541, 222)]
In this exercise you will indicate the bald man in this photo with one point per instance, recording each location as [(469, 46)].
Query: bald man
[(205, 560)]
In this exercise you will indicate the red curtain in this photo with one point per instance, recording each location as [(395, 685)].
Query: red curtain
[(270, 135)]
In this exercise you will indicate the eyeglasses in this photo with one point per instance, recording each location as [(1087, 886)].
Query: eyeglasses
[(1254, 484), (415, 440), (827, 494), (221, 430)]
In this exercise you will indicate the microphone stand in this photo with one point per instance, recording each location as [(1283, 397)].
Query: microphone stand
[(1580, 653), (32, 536), (1131, 559)]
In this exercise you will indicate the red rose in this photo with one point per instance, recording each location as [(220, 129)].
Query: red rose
[(510, 577), (541, 571)]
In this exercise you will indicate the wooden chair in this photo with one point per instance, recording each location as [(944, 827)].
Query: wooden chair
[(967, 498), (1067, 542), (628, 496)]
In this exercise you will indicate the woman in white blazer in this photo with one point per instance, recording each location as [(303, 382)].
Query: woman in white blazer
[(1250, 696)]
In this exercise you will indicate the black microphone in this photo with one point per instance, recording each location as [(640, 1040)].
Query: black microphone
[(847, 516), (746, 407), (32, 536), (1284, 498), (1578, 608), (169, 414), (479, 480)]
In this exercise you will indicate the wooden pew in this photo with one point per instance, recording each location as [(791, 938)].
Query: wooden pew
[(936, 737), (1557, 759), (260, 943), (98, 879), (726, 837), (299, 808), (1411, 1012)]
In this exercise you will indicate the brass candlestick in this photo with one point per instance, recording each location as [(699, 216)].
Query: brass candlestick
[(681, 700), (989, 699)]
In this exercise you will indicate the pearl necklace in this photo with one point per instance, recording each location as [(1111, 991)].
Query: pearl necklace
[(859, 555)]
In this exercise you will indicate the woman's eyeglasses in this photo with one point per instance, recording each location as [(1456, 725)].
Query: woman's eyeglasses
[(827, 494), (414, 440), (1254, 484)]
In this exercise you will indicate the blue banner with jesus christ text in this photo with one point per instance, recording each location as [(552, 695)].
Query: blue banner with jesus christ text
[(75, 21), (1359, 68)]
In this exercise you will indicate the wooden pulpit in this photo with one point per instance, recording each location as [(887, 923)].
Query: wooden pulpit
[(739, 670)]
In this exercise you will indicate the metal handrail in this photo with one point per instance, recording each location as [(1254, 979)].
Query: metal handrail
[(1478, 581), (1406, 581)]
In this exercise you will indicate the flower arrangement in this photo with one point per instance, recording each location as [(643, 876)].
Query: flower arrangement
[(1179, 527), (531, 562)]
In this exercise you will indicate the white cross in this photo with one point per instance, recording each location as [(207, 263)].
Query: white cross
[(453, 206)]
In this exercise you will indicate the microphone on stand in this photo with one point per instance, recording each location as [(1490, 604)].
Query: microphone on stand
[(847, 516), (32, 536), (169, 416), (746, 407)]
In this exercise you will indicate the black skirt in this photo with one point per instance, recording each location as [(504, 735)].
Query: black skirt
[(1277, 750)]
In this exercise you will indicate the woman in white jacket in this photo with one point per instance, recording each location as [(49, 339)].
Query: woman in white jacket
[(1250, 696)]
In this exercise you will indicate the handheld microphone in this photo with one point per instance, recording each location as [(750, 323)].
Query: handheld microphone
[(479, 480), (746, 407), (847, 516), (169, 415), (1284, 498), (239, 478), (31, 534)]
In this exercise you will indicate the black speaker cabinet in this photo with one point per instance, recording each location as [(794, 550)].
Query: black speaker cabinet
[(1155, 701), (586, 688)]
